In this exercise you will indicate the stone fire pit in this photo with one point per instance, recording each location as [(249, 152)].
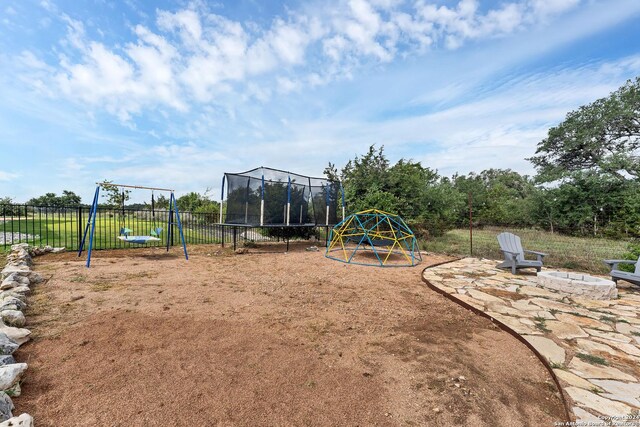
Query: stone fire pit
[(578, 284)]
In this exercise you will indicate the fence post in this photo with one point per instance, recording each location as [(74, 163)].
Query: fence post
[(79, 221), (470, 224)]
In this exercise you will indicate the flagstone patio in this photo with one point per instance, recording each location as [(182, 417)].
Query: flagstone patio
[(593, 346)]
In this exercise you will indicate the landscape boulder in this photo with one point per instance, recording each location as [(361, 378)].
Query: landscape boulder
[(11, 374)]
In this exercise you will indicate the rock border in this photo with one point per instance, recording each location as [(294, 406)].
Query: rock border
[(507, 329), (17, 277)]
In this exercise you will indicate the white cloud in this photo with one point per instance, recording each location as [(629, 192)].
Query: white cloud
[(48, 5), (195, 56), (8, 176), (546, 8)]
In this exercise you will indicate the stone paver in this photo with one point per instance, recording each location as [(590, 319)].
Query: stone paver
[(565, 331), (574, 380), (604, 380), (587, 370), (546, 347), (597, 403)]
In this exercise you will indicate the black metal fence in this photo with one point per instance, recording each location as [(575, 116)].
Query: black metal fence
[(65, 226)]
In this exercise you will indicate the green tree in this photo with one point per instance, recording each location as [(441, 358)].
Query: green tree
[(8, 207), (363, 175), (68, 198), (426, 201), (499, 197), (603, 136), (112, 193)]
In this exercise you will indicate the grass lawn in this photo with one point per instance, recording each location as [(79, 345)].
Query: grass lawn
[(576, 253)]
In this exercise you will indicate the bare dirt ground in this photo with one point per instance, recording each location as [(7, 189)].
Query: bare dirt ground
[(145, 338)]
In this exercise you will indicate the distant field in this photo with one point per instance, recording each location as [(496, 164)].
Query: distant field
[(577, 253)]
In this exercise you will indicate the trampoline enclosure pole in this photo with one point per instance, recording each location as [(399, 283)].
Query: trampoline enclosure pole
[(262, 202), (328, 189), (222, 197), (288, 200)]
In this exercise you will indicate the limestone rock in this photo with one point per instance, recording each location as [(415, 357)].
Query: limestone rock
[(599, 404), (4, 307), (589, 303), (573, 379), (514, 324), (14, 391), (471, 301), (552, 305), (21, 291), (539, 292), (481, 296), (12, 294), (546, 347), (627, 329), (583, 321), (34, 277), (586, 370), (611, 336), (630, 349), (6, 359), (15, 277), (500, 307), (13, 318), (23, 420), (18, 271), (10, 374), (545, 315), (618, 390), (18, 335), (7, 345), (524, 305), (8, 284), (582, 415), (6, 406), (12, 300), (565, 331), (590, 346)]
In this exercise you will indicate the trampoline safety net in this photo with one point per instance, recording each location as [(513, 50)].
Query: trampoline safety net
[(265, 196)]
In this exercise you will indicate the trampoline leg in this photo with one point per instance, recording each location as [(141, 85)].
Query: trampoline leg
[(234, 238)]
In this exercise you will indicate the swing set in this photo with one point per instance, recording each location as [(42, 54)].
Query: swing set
[(126, 233)]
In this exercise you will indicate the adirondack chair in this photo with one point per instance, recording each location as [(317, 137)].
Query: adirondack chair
[(514, 254), (617, 274)]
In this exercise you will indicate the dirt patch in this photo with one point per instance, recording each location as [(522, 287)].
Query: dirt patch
[(147, 338)]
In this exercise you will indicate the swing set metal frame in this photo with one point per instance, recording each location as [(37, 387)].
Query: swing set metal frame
[(91, 221)]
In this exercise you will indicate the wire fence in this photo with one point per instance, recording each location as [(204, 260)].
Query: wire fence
[(574, 253)]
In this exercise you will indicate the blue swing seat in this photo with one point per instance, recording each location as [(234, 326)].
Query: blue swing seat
[(141, 240)]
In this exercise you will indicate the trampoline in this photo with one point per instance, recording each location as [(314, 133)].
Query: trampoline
[(265, 197)]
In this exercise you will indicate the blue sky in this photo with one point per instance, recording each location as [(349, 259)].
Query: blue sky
[(174, 93)]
